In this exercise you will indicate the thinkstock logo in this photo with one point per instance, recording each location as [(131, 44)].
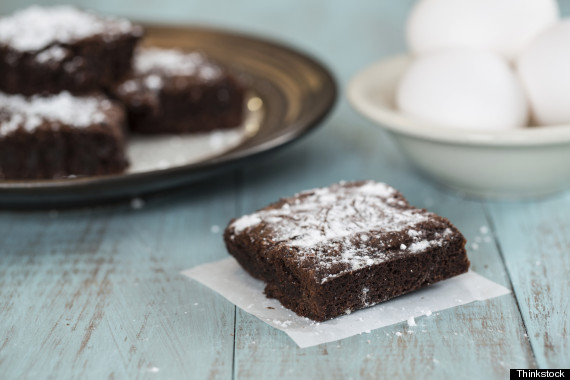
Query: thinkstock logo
[(539, 373)]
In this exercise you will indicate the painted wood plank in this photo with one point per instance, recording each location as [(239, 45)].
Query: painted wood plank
[(98, 293), (535, 241)]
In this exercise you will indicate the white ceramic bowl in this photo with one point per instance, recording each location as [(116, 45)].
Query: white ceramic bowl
[(529, 162)]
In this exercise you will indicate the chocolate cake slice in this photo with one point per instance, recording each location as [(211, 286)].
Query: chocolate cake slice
[(171, 91), (60, 135), (52, 49), (330, 251)]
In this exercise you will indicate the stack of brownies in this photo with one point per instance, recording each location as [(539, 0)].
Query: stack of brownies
[(73, 83)]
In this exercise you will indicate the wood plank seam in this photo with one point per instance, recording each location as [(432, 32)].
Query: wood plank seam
[(238, 210), (234, 350), (507, 271)]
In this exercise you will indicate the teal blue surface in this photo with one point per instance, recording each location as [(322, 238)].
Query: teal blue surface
[(96, 293)]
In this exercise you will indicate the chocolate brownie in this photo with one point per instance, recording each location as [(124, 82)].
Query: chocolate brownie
[(330, 251), (171, 91), (52, 49), (59, 136)]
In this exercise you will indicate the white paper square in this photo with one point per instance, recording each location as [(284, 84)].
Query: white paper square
[(228, 279)]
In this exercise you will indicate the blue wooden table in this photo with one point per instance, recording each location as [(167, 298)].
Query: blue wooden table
[(97, 293)]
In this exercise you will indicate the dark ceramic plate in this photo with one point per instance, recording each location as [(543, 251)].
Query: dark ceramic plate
[(290, 93)]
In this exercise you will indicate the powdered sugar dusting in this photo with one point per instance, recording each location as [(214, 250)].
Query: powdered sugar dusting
[(423, 245), (335, 212), (377, 189), (344, 227), (37, 27), (420, 246), (54, 53), (175, 62), (154, 82), (17, 111), (246, 221)]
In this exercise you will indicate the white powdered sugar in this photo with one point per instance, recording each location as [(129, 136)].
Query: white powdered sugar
[(245, 222), (327, 214), (155, 68), (173, 62), (344, 227), (414, 233), (36, 27), (52, 54), (421, 246), (154, 82), (29, 113), (364, 296)]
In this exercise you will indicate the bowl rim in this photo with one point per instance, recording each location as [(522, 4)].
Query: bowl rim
[(375, 77)]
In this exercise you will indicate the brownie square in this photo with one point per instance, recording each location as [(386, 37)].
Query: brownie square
[(330, 251), (52, 49), (171, 91), (61, 135)]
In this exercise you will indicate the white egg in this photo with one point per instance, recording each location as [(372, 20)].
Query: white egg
[(504, 26), (464, 89), (544, 68)]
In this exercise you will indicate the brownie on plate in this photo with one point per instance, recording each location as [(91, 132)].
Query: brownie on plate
[(59, 136), (330, 251), (52, 49), (171, 91)]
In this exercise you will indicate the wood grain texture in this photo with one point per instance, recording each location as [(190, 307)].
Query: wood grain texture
[(96, 293), (535, 240)]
